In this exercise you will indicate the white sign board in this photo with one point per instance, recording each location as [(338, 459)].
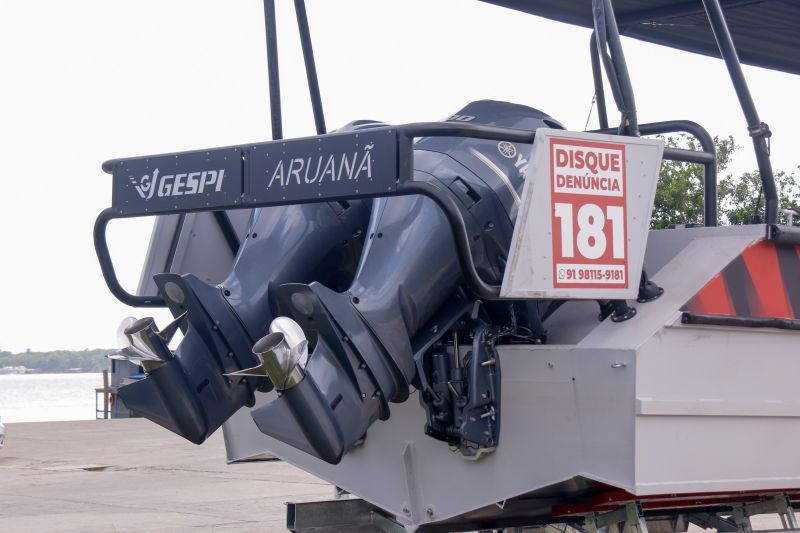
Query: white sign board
[(581, 230)]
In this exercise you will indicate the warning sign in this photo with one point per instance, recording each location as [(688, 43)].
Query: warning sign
[(588, 214), (582, 226)]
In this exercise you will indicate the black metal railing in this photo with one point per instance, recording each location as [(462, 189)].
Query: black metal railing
[(400, 182), (707, 157)]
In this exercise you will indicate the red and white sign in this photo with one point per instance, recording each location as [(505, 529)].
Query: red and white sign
[(584, 216), (588, 198)]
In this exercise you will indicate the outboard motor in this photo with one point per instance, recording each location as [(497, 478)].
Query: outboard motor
[(351, 335), (190, 391), (370, 343)]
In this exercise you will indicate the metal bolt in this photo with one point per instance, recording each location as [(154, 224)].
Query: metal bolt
[(406, 510), (430, 512)]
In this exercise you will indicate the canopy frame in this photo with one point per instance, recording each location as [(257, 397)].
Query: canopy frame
[(606, 49)]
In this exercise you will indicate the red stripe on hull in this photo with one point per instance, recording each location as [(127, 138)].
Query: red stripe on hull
[(713, 299), (770, 298)]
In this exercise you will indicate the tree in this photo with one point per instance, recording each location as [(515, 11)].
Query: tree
[(679, 195), (59, 360), (741, 199)]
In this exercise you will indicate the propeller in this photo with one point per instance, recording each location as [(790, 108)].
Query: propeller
[(141, 343), (283, 354), (170, 329)]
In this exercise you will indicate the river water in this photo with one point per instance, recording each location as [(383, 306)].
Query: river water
[(47, 397)]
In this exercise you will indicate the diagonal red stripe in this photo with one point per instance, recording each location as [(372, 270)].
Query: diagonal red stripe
[(713, 299), (770, 298)]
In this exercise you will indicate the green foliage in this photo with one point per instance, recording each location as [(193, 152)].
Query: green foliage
[(679, 195), (739, 196), (59, 360)]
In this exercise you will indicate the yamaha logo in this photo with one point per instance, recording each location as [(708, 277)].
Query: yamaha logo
[(507, 149)]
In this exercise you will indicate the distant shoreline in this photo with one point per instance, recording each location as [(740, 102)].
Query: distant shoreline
[(55, 362)]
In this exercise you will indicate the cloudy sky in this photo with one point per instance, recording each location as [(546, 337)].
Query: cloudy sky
[(89, 80)]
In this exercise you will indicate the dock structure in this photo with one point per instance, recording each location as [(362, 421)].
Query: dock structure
[(130, 475)]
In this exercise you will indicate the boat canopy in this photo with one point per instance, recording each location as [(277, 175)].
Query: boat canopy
[(766, 32)]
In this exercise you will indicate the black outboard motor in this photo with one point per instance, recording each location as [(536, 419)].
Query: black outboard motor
[(368, 343), (188, 392)]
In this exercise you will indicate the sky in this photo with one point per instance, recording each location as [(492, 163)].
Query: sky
[(88, 80)]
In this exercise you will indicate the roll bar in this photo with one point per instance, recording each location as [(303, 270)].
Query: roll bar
[(623, 95), (397, 182), (707, 157)]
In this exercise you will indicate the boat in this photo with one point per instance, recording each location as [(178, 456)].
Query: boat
[(467, 324)]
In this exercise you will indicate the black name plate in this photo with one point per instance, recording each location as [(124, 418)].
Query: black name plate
[(204, 179), (327, 167), (339, 165)]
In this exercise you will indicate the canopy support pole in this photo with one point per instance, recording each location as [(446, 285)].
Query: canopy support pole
[(758, 130), (597, 75), (311, 67), (272, 70), (610, 49)]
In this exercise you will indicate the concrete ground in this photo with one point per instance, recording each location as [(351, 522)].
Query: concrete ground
[(131, 475)]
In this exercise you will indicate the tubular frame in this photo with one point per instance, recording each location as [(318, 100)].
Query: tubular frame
[(757, 129)]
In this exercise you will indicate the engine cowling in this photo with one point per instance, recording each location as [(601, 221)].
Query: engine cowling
[(369, 342)]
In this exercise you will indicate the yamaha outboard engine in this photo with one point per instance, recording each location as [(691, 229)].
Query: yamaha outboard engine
[(191, 391), (343, 307), (367, 345)]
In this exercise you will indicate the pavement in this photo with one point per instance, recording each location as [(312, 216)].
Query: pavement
[(131, 475)]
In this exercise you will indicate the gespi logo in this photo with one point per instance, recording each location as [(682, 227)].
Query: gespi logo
[(331, 167), (184, 184)]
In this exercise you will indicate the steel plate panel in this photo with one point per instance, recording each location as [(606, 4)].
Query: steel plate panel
[(190, 180), (343, 165)]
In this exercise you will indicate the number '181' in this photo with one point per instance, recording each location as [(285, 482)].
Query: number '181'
[(591, 238)]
